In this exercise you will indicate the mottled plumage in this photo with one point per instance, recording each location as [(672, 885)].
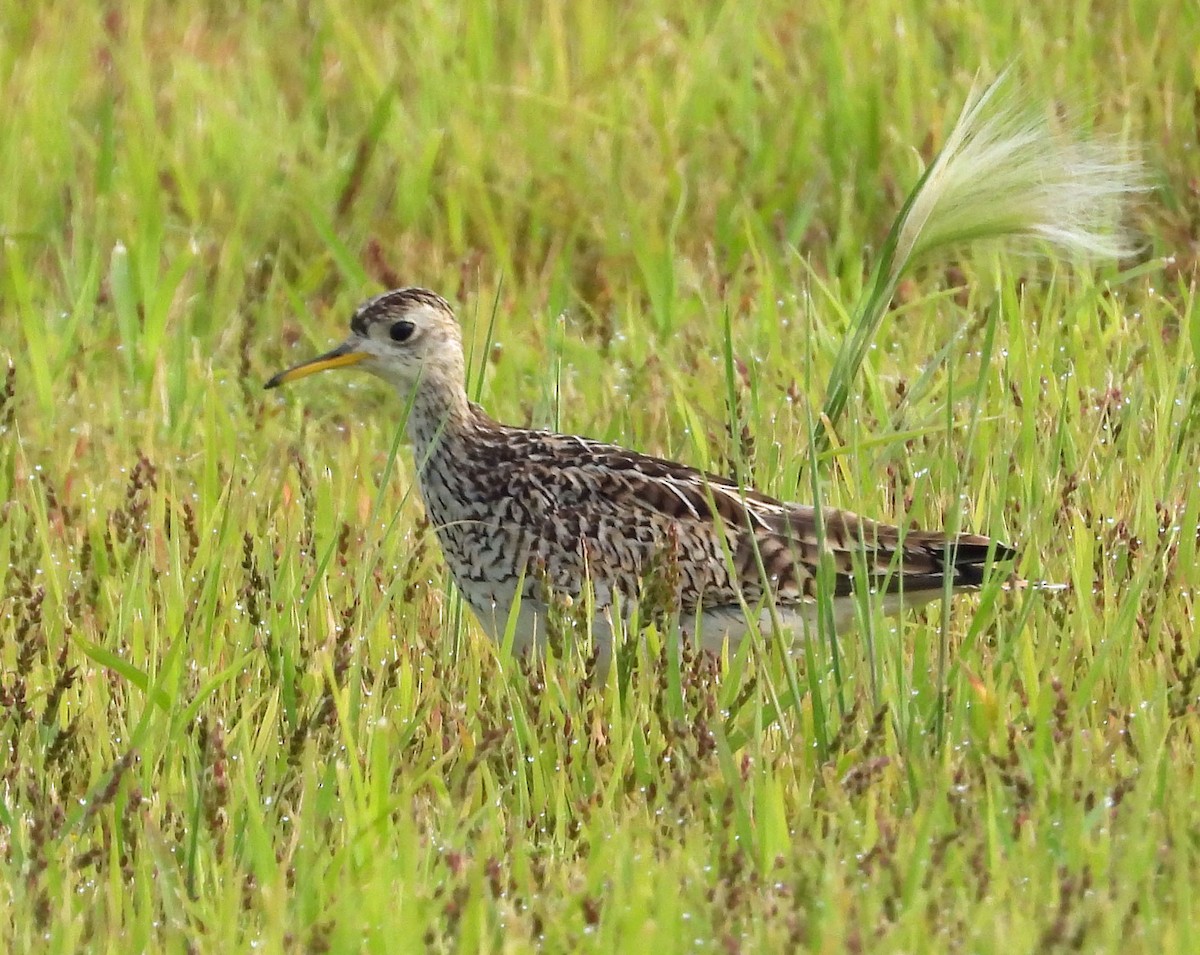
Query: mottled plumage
[(552, 514)]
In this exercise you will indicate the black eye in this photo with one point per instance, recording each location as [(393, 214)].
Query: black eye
[(401, 331)]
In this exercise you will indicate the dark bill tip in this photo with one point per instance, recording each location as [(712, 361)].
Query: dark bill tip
[(341, 357)]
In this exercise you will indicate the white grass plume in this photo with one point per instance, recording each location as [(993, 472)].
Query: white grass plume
[(1003, 173)]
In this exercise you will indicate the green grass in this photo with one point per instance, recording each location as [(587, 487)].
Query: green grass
[(241, 705)]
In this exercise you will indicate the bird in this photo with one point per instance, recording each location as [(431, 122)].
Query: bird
[(528, 517)]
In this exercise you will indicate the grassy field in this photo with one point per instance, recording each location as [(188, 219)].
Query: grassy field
[(241, 706)]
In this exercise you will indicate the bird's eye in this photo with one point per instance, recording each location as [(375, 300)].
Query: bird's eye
[(401, 331)]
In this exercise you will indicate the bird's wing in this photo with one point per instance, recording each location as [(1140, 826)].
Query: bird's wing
[(729, 538)]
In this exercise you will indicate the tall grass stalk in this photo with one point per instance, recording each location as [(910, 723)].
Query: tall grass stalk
[(1003, 173)]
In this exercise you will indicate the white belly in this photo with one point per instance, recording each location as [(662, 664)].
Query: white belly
[(713, 629)]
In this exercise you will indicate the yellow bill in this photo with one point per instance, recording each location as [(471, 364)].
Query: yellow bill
[(341, 357)]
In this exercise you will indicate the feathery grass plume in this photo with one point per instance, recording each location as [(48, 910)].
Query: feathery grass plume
[(1002, 173)]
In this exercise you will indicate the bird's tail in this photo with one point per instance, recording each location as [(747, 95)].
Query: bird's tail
[(1003, 172)]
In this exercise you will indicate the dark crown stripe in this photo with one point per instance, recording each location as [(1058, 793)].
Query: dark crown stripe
[(389, 306)]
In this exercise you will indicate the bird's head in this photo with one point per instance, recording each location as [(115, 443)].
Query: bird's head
[(404, 337)]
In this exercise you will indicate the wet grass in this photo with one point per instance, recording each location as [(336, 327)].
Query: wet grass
[(239, 703)]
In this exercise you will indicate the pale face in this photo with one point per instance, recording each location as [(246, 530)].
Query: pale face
[(402, 336)]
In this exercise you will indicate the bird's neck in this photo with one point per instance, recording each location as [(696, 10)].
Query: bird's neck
[(440, 416)]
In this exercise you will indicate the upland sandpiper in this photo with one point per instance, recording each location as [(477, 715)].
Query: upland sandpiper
[(549, 516)]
